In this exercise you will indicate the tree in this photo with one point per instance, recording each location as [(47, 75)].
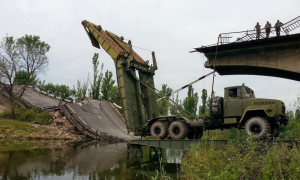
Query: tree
[(82, 88), (173, 110), (114, 95), (28, 54), (203, 107), (107, 84), (209, 101), (191, 101), (95, 86), (50, 87), (163, 105), (21, 78), (41, 84)]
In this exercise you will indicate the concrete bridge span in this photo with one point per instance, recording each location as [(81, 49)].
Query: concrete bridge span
[(276, 56)]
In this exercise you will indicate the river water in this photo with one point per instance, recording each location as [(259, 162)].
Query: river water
[(89, 160)]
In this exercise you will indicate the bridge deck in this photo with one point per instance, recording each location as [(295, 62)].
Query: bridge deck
[(98, 120), (266, 42), (32, 98)]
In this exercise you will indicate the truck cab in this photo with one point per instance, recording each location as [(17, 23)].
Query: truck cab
[(240, 108)]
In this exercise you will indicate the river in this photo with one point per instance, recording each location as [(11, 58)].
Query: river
[(86, 160)]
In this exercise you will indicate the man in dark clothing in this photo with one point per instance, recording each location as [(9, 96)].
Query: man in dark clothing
[(257, 27), (268, 29), (278, 27)]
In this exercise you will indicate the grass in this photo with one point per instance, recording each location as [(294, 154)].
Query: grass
[(236, 160), (225, 134), (18, 129), (160, 174)]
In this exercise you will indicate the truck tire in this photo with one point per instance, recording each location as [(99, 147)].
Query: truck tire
[(159, 130), (195, 135), (178, 130), (259, 127)]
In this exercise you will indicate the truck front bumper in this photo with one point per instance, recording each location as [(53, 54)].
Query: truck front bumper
[(282, 119)]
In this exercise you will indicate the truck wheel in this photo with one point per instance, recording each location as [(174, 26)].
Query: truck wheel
[(178, 130), (159, 130), (259, 127), (195, 135), (275, 130)]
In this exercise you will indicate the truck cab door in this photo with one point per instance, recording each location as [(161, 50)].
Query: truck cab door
[(234, 103)]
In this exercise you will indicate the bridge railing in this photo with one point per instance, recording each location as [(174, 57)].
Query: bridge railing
[(249, 35)]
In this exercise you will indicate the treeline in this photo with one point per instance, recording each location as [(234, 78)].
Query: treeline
[(101, 86), (189, 103)]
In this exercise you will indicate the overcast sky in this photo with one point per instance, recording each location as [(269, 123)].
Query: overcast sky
[(171, 28)]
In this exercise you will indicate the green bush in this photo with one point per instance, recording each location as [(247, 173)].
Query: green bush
[(28, 115), (6, 113), (246, 160), (42, 118)]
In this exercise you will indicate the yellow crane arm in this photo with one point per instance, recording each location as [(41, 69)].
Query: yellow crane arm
[(111, 43)]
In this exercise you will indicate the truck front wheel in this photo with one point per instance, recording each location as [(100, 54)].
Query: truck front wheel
[(257, 127), (178, 130), (159, 130)]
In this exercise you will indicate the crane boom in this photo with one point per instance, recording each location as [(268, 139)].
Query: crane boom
[(134, 95)]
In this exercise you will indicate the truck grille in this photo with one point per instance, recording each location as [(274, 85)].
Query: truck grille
[(283, 109)]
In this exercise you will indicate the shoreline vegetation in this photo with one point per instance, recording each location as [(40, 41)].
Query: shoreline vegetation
[(34, 125), (241, 160)]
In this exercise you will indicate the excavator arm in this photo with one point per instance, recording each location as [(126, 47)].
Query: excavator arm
[(139, 102)]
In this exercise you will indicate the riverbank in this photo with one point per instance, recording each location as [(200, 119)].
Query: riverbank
[(59, 129), (246, 160)]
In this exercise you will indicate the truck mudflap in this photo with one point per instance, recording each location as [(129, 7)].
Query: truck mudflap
[(282, 119)]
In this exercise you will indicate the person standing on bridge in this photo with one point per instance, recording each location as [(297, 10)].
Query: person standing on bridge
[(257, 27), (268, 27), (278, 27)]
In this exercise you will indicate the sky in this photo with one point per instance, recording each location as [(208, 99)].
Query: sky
[(171, 28)]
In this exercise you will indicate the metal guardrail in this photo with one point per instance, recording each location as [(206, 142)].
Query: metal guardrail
[(248, 35)]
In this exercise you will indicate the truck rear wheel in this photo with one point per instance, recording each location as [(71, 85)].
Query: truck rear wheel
[(178, 130), (159, 130), (258, 127)]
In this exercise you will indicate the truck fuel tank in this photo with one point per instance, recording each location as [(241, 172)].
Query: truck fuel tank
[(196, 123)]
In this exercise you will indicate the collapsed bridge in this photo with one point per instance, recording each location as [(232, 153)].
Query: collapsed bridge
[(98, 119)]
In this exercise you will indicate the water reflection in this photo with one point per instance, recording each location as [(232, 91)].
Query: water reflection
[(87, 161)]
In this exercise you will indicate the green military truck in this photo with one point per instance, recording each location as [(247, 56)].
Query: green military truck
[(238, 109)]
